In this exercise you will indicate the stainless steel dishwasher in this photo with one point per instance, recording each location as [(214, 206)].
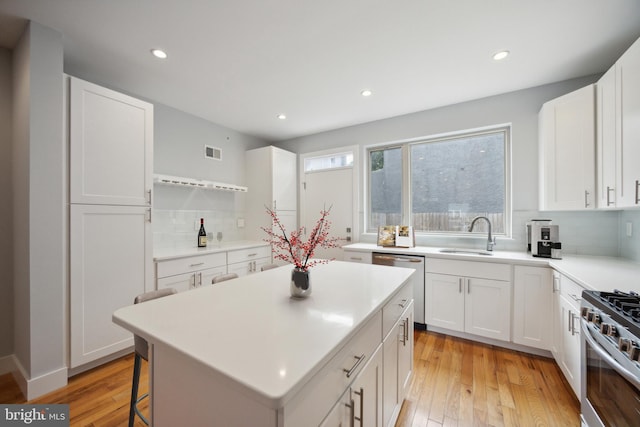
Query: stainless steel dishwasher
[(408, 261)]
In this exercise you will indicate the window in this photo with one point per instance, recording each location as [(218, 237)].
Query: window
[(447, 182), (332, 161)]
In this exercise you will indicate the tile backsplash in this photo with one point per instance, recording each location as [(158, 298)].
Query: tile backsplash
[(177, 212)]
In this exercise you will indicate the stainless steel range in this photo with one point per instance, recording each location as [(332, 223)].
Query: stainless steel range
[(610, 354)]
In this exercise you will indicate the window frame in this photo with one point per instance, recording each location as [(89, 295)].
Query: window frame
[(406, 196)]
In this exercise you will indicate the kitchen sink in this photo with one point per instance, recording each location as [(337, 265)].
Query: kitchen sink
[(466, 252)]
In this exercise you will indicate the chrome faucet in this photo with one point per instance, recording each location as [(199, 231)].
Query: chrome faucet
[(491, 241)]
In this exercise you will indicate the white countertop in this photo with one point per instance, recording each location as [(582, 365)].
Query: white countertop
[(187, 251), (252, 332), (592, 272)]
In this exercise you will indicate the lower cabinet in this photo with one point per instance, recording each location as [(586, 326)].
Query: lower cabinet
[(566, 345), (192, 272), (356, 256), (362, 402), (398, 366), (470, 297), (533, 306), (247, 261)]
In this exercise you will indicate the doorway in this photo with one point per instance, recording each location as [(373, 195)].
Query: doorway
[(328, 181)]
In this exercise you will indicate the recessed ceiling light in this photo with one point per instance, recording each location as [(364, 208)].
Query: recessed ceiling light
[(159, 53), (366, 92), (501, 55), (282, 116)]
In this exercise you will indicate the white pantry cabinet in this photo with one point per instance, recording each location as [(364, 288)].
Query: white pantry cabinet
[(532, 306), (111, 151), (271, 178), (628, 125), (110, 239), (111, 263), (467, 296), (567, 151)]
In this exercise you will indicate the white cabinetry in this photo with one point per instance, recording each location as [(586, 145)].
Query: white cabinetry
[(470, 297), (110, 247), (567, 151), (566, 345), (187, 273), (628, 125), (247, 261), (398, 366), (356, 256), (606, 139), (271, 178), (532, 306), (362, 402)]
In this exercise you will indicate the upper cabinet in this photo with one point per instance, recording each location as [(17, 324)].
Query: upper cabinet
[(271, 178), (111, 150), (606, 139), (627, 81), (567, 151)]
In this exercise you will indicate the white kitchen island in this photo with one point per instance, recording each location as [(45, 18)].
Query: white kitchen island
[(243, 353)]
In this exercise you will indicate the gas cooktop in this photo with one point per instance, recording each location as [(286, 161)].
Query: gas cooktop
[(623, 307)]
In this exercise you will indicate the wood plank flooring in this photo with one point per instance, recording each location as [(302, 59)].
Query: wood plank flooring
[(456, 383)]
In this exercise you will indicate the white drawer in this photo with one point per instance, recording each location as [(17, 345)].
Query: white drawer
[(481, 270), (570, 290), (361, 257), (186, 265), (392, 311), (250, 254), (330, 382)]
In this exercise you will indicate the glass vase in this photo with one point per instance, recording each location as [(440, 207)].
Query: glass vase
[(300, 283)]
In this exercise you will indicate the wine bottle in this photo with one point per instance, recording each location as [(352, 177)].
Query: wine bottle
[(202, 235)]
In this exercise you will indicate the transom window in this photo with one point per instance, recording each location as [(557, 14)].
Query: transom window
[(438, 185)]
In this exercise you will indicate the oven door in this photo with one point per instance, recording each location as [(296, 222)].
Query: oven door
[(610, 382)]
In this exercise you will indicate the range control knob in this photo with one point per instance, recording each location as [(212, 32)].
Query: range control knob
[(608, 329), (634, 352), (624, 344)]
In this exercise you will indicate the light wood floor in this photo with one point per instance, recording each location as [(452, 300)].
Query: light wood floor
[(456, 383)]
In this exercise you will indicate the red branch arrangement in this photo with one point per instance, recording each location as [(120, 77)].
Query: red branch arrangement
[(293, 249)]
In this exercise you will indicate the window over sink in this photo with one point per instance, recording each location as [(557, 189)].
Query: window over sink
[(439, 184)]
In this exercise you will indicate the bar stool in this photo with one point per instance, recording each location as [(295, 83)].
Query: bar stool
[(223, 277), (268, 267), (142, 352)]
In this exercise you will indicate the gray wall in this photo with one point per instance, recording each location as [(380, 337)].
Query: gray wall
[(6, 233), (38, 208), (580, 232)]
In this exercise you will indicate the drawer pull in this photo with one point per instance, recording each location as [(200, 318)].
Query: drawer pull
[(196, 264), (403, 303), (253, 254), (575, 297), (356, 258), (359, 360)]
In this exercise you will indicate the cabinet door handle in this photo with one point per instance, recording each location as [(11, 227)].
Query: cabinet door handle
[(403, 303), (351, 406), (361, 394), (468, 286), (359, 360), (149, 211), (586, 198), (569, 320), (402, 340), (149, 193), (460, 285), (609, 189), (573, 324), (575, 297), (637, 191), (200, 279), (196, 264), (192, 281)]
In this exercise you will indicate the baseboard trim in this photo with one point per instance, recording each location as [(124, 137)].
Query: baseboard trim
[(33, 388), (7, 364), (490, 341)]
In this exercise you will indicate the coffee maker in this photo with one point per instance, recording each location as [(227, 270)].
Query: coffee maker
[(530, 225), (544, 237)]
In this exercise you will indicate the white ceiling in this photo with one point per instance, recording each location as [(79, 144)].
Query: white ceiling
[(241, 63)]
